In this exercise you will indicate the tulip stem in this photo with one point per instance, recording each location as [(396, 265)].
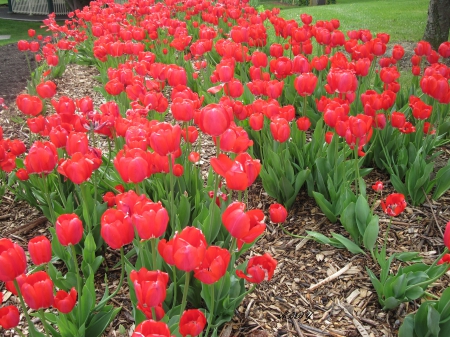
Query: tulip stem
[(84, 199), (185, 292), (216, 186), (289, 233), (304, 106), (356, 169), (211, 310), (44, 322), (24, 308), (174, 270), (48, 199), (79, 282), (153, 245), (172, 217), (119, 286), (19, 332)]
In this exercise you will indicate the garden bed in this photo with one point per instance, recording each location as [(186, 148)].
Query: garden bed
[(273, 307)]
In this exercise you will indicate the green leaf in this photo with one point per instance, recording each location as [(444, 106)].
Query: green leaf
[(433, 319), (408, 257), (362, 212), (184, 210), (87, 300), (398, 185), (100, 322), (442, 182), (350, 245), (421, 320), (391, 303), (319, 237), (414, 293), (371, 233), (348, 221), (407, 327), (325, 206)]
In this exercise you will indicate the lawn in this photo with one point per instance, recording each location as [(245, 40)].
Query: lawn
[(18, 30), (404, 20)]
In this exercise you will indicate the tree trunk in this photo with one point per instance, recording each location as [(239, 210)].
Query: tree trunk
[(438, 24)]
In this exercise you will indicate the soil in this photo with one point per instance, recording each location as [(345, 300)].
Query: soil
[(344, 306)]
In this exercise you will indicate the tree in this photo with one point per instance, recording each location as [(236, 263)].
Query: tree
[(438, 23)]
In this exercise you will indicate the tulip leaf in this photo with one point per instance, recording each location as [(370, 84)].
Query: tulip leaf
[(407, 328), (391, 303), (414, 293), (433, 319), (348, 221), (398, 185), (325, 206), (442, 181), (350, 245), (362, 212), (371, 234), (87, 299), (421, 320), (184, 211), (100, 321)]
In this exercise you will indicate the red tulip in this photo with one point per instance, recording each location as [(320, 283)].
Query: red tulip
[(192, 323), (192, 134), (235, 139), (150, 220), (444, 49), (151, 328), (40, 250), (77, 142), (274, 89), (16, 147), (341, 81), (394, 204), (280, 129), (69, 229), (149, 286), (13, 261), (29, 105), (398, 52), (37, 290), (78, 168), (176, 75), (9, 317), (214, 120), (186, 250), (276, 50), (64, 301), (398, 119), (46, 89), (22, 174), (132, 165), (303, 123), (65, 106), (114, 87), (116, 228), (214, 265), (259, 268), (277, 213), (447, 235), (23, 45), (183, 109), (110, 199), (166, 139), (420, 110), (378, 186), (244, 226), (259, 59), (234, 88), (194, 157), (444, 259), (329, 137), (281, 67)]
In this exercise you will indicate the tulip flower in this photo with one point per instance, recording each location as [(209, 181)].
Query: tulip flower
[(69, 229), (151, 328), (65, 105), (65, 301), (214, 119), (303, 123), (259, 268), (29, 105), (214, 265), (444, 259), (280, 129), (447, 235), (23, 45), (166, 139), (13, 261), (244, 226), (444, 49), (256, 121), (235, 139), (277, 213), (192, 323), (420, 110), (116, 228), (40, 250), (132, 165), (378, 186), (78, 168), (186, 250), (394, 204), (183, 109), (114, 87), (37, 290), (46, 89), (150, 287), (9, 317), (150, 220)]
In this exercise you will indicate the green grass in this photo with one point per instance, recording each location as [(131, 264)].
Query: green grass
[(19, 30), (3, 2), (404, 20), (274, 4)]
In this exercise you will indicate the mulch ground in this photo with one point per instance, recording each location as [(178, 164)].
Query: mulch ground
[(346, 306)]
